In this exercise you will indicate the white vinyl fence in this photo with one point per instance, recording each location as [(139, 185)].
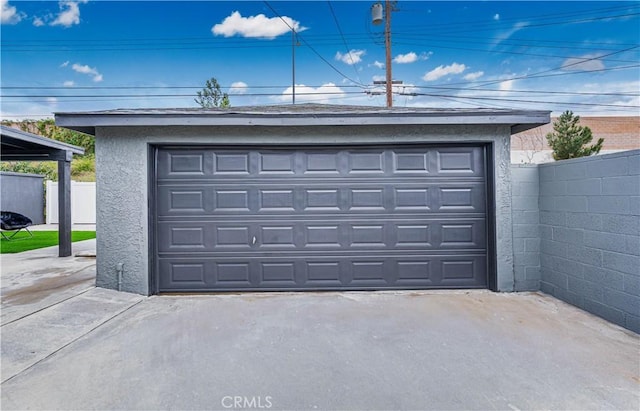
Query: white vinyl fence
[(83, 202)]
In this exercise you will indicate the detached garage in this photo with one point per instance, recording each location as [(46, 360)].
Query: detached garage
[(303, 197)]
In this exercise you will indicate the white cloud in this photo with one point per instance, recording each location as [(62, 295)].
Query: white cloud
[(65, 64), (259, 26), (91, 71), (378, 64), (9, 14), (69, 83), (579, 63), (352, 57), (506, 85), (474, 76), (442, 71), (38, 22), (85, 69), (496, 16), (324, 94), (238, 87), (504, 36), (410, 57), (379, 78), (69, 14)]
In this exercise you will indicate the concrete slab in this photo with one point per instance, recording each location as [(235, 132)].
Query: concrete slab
[(387, 350), (39, 335), (33, 280)]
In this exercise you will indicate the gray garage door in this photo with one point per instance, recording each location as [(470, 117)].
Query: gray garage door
[(315, 218)]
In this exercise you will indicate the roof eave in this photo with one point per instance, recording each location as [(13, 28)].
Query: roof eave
[(35, 139), (87, 122)]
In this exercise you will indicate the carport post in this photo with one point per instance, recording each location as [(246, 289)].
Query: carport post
[(64, 205)]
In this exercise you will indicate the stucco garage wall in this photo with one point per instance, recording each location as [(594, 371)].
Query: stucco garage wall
[(590, 234), (123, 181)]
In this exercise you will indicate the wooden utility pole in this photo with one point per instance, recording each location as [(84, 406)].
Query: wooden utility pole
[(293, 66), (387, 44)]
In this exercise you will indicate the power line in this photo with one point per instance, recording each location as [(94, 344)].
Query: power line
[(310, 47), (564, 66), (118, 96), (526, 101), (85, 98), (141, 87), (568, 93), (484, 25), (347, 49), (520, 53)]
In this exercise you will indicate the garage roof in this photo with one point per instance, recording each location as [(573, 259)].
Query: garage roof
[(299, 115)]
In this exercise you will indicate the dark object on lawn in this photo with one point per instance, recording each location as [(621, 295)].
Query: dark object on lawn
[(10, 221)]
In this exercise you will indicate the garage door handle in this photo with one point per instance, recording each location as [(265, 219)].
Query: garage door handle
[(254, 240)]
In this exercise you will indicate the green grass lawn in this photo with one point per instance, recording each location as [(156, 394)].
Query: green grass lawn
[(21, 242)]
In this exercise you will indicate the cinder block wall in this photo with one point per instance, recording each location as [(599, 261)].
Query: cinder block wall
[(590, 234), (526, 237)]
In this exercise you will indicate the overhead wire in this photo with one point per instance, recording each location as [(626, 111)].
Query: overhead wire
[(546, 73), (312, 48), (440, 88), (347, 49)]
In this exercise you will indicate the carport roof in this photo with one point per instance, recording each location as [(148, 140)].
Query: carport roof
[(299, 115), (20, 145)]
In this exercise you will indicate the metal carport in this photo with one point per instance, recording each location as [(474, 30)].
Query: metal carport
[(19, 145)]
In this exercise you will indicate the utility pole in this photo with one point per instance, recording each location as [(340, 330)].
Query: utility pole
[(387, 46), (376, 14), (293, 65)]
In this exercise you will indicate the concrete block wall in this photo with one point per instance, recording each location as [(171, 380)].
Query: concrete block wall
[(526, 238), (590, 234)]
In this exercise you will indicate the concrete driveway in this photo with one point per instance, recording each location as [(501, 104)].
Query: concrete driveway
[(92, 348)]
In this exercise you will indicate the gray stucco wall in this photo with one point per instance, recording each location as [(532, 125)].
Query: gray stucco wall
[(122, 182), (24, 194), (590, 234), (526, 237)]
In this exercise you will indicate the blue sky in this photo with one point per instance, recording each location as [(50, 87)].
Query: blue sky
[(582, 56)]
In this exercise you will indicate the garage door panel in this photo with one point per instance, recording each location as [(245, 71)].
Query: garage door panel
[(332, 272), (348, 218), (288, 200), (181, 274), (179, 164), (280, 163), (277, 274), (411, 163), (321, 163), (460, 161), (215, 237), (202, 163), (278, 199), (231, 164)]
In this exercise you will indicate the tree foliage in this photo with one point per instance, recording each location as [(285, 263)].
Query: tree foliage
[(212, 96), (47, 128), (569, 139), (82, 167)]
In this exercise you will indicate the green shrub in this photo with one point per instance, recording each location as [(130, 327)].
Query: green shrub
[(86, 164)]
